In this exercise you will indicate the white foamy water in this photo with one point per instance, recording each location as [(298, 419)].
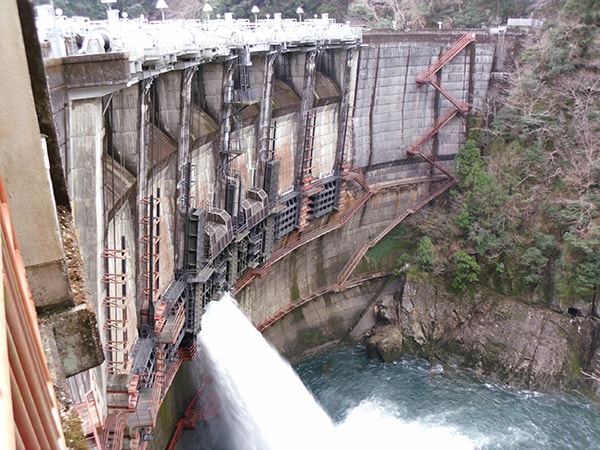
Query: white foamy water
[(372, 425), (267, 407), (264, 402)]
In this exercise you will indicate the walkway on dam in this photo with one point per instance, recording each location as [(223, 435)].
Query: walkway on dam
[(161, 43)]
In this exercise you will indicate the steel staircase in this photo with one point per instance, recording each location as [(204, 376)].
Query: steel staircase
[(351, 264), (448, 55)]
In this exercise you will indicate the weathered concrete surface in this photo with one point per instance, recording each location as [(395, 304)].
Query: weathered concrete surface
[(93, 71), (391, 112), (85, 175), (79, 349)]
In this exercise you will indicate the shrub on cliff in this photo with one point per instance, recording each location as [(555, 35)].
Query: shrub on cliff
[(466, 272)]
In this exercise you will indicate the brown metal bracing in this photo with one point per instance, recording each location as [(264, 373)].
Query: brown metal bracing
[(461, 107), (448, 55), (437, 125)]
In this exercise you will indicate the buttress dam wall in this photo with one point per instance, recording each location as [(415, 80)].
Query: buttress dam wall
[(262, 159)]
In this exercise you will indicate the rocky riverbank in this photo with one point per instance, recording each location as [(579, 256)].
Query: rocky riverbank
[(521, 344)]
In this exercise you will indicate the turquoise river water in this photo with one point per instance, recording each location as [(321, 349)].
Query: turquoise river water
[(410, 405), (341, 400)]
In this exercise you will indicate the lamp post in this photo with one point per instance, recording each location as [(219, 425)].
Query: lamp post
[(207, 9), (162, 5), (109, 2), (299, 11), (255, 11)]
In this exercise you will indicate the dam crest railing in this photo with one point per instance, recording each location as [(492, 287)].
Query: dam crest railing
[(155, 42)]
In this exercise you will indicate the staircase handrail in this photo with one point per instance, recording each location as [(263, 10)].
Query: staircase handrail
[(352, 263), (448, 55)]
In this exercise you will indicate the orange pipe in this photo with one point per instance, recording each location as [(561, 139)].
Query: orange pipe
[(18, 440), (7, 426), (28, 391), (27, 365), (32, 391), (22, 418)]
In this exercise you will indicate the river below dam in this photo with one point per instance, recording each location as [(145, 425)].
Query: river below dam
[(342, 400), (412, 405)]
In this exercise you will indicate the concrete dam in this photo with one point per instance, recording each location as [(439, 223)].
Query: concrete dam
[(262, 158)]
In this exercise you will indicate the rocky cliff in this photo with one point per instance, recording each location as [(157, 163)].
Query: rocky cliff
[(521, 344)]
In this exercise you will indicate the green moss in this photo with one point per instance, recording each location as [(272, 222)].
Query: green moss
[(321, 274), (294, 289), (385, 254), (165, 415), (574, 365), (297, 315), (336, 326), (73, 432), (309, 338)]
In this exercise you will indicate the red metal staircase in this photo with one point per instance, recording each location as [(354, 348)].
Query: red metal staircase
[(437, 125), (448, 55), (351, 264)]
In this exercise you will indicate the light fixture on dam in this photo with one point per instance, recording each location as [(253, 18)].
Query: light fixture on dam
[(162, 5), (207, 9)]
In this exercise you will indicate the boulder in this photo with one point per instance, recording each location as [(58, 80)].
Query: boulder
[(385, 343)]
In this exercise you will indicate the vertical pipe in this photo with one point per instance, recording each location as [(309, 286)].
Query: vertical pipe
[(7, 428), (23, 420), (30, 387), (184, 181), (142, 174), (266, 113), (29, 373)]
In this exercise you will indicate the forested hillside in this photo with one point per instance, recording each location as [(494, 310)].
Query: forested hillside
[(525, 218)]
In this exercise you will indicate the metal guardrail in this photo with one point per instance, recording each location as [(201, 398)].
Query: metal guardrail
[(144, 40)]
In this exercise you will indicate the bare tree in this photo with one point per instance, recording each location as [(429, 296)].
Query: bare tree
[(410, 14)]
